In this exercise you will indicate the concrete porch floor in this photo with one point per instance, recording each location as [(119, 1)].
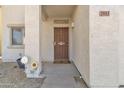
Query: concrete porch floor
[(62, 76), (57, 76)]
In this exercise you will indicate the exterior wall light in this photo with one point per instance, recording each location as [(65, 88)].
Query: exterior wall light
[(72, 24)]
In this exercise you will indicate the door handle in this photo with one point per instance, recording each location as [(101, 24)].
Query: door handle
[(61, 43)]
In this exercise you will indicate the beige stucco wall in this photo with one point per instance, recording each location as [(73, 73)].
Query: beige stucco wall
[(11, 15), (1, 31), (33, 27), (47, 35), (80, 41), (104, 47), (121, 44), (33, 38)]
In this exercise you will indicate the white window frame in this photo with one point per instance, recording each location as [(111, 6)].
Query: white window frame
[(11, 46)]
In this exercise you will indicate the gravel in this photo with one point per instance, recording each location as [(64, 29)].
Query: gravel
[(11, 76)]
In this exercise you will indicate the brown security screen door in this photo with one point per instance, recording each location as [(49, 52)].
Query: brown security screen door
[(61, 44)]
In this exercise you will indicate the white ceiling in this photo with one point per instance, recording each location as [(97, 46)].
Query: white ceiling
[(58, 11)]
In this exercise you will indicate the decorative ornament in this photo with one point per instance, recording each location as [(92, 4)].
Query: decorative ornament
[(34, 65), (24, 60)]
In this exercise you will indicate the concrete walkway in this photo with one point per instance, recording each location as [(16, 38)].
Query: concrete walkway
[(61, 76)]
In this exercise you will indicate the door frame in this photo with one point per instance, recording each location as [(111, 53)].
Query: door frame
[(68, 41)]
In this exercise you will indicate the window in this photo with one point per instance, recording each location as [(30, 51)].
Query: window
[(17, 36)]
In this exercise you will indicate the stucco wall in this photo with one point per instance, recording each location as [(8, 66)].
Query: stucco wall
[(80, 41), (33, 32), (47, 41), (11, 15), (33, 38), (104, 47), (121, 45), (1, 31)]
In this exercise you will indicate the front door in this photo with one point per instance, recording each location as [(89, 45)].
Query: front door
[(61, 44)]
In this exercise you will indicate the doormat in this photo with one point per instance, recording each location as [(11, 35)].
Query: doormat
[(62, 62)]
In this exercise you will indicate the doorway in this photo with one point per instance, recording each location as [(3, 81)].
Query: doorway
[(61, 45)]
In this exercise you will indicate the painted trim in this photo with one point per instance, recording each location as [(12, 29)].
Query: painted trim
[(16, 47), (16, 25)]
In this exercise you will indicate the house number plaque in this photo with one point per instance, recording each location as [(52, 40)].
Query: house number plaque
[(104, 13)]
